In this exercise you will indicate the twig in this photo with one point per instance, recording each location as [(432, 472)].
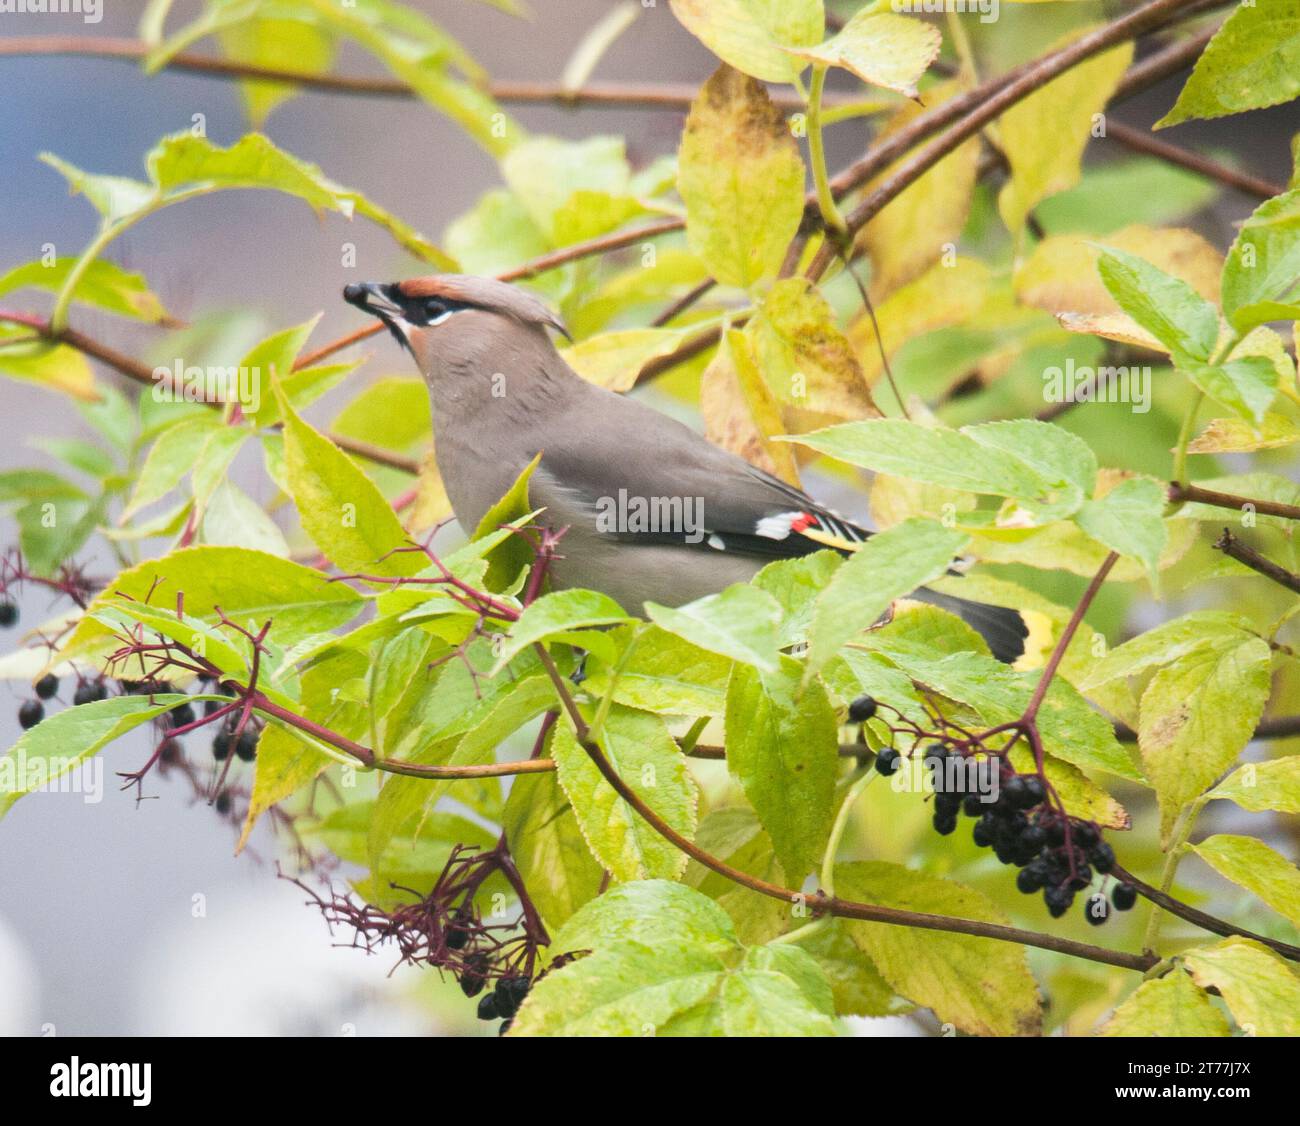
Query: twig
[(817, 902), (1244, 553), (1178, 493), (1200, 918), (1024, 81), (1140, 141)]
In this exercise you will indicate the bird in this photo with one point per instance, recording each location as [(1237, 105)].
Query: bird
[(501, 394)]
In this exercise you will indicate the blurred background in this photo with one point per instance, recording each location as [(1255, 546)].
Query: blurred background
[(128, 918)]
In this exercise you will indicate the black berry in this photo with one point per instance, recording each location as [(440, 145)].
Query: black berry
[(182, 715), (169, 752), (89, 692), (510, 995), (246, 748), (30, 713), (8, 614), (1097, 909), (224, 802), (1029, 879), (1033, 789), (221, 745), (1123, 896), (1102, 857), (505, 1026), (1058, 900), (487, 1007), (862, 709), (47, 686), (887, 761), (944, 823)]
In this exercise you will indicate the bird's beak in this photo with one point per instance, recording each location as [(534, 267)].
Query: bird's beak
[(371, 297)]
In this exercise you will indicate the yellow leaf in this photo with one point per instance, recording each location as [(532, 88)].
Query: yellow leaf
[(942, 296), (1061, 276), (913, 231), (881, 48), (614, 359), (740, 413), (432, 505), (978, 984), (1119, 327), (1261, 990), (1172, 1005), (807, 360), (1236, 435), (741, 177), (1044, 136)]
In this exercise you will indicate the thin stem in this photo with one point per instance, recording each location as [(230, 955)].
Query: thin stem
[(1067, 636), (1185, 435), (826, 204), (1179, 492), (1243, 553)]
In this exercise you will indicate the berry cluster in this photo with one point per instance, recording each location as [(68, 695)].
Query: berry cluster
[(1017, 815)]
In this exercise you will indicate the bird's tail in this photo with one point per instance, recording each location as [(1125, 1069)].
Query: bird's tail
[(1004, 629)]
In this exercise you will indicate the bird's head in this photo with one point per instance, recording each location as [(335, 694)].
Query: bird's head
[(457, 323)]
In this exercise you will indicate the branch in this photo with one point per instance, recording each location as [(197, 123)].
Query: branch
[(1006, 92), (141, 373), (596, 95), (817, 902), (1143, 142), (1200, 918), (1243, 553), (1179, 493)]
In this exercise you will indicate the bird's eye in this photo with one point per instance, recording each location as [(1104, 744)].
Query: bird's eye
[(435, 312)]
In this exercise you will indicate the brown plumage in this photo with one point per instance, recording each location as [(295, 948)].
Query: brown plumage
[(501, 394)]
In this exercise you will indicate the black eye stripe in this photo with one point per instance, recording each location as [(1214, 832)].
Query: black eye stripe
[(423, 310)]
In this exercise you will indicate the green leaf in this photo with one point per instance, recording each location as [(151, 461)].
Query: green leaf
[(285, 764), (665, 961), (751, 34), (1261, 786), (276, 44), (1261, 270), (572, 189), (250, 586), (1197, 715), (1168, 642), (67, 738), (1172, 1005), (273, 359), (741, 178), (1260, 989), (1166, 306), (783, 748), (665, 675), (982, 986), (512, 553), (735, 836), (651, 911), (955, 459), (1063, 110), (647, 758), (233, 517), (1247, 384), (740, 623), (104, 285), (342, 511), (558, 616), (890, 565), (881, 48), (1253, 61), (1251, 864), (185, 165), (548, 848), (795, 584), (1130, 520)]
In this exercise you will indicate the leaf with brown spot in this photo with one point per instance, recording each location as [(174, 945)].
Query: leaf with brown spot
[(741, 178)]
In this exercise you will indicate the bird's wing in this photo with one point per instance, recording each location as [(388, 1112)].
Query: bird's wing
[(622, 458)]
